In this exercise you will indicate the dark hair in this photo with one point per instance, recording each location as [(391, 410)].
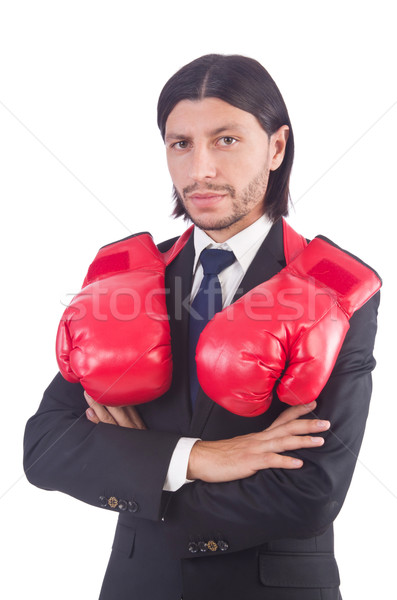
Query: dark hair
[(245, 84)]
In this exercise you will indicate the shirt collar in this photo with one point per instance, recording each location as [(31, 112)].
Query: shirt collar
[(243, 244)]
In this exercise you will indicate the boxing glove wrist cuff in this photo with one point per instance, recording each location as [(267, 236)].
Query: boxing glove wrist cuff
[(351, 281), (131, 253)]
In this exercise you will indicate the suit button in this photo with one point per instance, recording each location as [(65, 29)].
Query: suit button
[(202, 546), (193, 547), (113, 502), (103, 501), (222, 545), (123, 505), (133, 506), (212, 546)]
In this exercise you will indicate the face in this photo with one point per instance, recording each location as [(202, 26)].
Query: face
[(219, 158)]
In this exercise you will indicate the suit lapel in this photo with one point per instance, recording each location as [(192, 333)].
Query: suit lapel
[(268, 261), (178, 285), (172, 411)]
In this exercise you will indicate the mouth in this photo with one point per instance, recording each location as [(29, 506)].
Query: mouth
[(205, 199)]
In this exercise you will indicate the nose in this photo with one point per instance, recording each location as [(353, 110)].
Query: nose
[(202, 165)]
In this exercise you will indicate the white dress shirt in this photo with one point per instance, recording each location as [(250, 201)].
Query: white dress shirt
[(245, 245)]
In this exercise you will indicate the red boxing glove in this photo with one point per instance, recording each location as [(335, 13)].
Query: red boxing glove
[(289, 330), (114, 337)]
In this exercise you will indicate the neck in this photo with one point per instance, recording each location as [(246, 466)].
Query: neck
[(224, 234)]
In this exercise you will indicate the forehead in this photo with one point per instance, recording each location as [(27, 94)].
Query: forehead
[(206, 116)]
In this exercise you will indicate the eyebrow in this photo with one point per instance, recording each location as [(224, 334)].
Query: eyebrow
[(217, 131)]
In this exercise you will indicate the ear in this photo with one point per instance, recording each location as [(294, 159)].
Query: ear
[(278, 144)]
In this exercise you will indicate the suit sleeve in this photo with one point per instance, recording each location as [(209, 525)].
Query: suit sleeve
[(64, 451), (277, 503)]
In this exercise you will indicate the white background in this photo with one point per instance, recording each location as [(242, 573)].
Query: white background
[(82, 164)]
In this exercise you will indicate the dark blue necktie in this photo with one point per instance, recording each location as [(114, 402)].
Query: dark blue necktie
[(207, 302)]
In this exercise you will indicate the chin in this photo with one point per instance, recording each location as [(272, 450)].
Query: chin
[(214, 224)]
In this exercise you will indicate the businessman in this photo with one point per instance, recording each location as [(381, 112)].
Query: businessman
[(212, 504)]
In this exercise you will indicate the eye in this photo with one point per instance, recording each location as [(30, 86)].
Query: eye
[(227, 140), (181, 145)]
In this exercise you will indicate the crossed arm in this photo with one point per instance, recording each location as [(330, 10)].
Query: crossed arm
[(238, 457)]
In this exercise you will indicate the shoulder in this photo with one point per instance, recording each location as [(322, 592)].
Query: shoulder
[(167, 244), (162, 246), (331, 243), (368, 312), (357, 350), (356, 354), (346, 264)]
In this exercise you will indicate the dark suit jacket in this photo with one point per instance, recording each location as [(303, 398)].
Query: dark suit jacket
[(268, 536)]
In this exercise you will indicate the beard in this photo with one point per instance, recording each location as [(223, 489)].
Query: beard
[(242, 203)]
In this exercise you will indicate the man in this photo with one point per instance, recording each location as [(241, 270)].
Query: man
[(209, 504)]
